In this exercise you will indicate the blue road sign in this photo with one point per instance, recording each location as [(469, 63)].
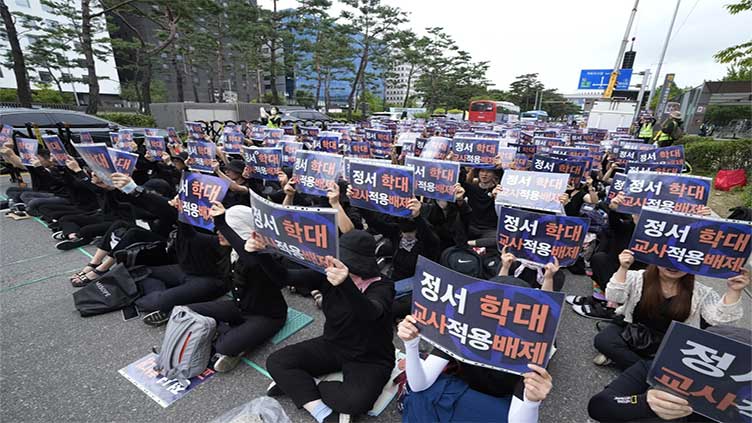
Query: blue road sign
[(597, 79)]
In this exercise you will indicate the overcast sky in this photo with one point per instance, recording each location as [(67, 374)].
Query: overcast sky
[(559, 38)]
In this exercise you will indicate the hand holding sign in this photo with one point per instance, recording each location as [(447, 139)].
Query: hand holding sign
[(119, 180), (332, 193), (538, 383), (336, 272), (459, 193), (738, 282), (254, 244), (667, 406), (626, 258), (507, 260), (72, 164), (414, 207), (406, 330), (217, 209)]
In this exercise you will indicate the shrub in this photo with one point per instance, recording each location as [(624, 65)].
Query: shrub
[(439, 111), (356, 116), (135, 120), (690, 139), (455, 111), (709, 156), (422, 115)]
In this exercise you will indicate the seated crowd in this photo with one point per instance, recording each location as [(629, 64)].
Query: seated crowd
[(360, 296)]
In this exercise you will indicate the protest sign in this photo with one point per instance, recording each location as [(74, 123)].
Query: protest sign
[(521, 162), (263, 162), (359, 149), (125, 140), (172, 137), (420, 143), (85, 138), (618, 182), (315, 171), (56, 149), (545, 144), (639, 146), (195, 130), (327, 141), (380, 141), (435, 148), (575, 168), (97, 157), (303, 234), (155, 146), (665, 155), (593, 148), (526, 137), (196, 193), (309, 132), (123, 161), (527, 149), (201, 154), (483, 323), (626, 155), (506, 156), (571, 151), (27, 150), (434, 178), (151, 132), (114, 138), (272, 136), (159, 388), (233, 142), (710, 371), (289, 148), (537, 238), (670, 192), (476, 152), (380, 187), (699, 245), (533, 190), (654, 167), (408, 149)]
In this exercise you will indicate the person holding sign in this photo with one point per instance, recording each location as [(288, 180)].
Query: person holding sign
[(480, 198), (651, 299), (357, 338)]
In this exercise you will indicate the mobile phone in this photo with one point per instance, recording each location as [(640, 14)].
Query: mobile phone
[(129, 313)]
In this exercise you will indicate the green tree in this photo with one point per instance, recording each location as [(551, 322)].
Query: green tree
[(740, 54), (304, 98), (19, 65)]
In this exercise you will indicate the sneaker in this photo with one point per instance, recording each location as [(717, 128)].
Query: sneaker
[(70, 244), (336, 417), (4, 205), (595, 311), (273, 390), (156, 318), (601, 360), (58, 236), (582, 300), (225, 363)]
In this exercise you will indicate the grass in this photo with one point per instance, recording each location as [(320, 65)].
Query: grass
[(722, 201)]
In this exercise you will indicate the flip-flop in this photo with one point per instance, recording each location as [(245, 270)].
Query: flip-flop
[(83, 273), (83, 281), (318, 297)]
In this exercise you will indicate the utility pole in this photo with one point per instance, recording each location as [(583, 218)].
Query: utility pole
[(617, 66), (645, 79), (663, 55)]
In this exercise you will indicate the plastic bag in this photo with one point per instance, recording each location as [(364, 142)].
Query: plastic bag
[(727, 179), (259, 410)]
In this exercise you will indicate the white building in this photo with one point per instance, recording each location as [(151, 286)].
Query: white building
[(396, 90), (109, 83)]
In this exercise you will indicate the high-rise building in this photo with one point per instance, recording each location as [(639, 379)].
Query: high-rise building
[(397, 88), (109, 81)]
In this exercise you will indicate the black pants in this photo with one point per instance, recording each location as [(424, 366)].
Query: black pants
[(238, 332), (85, 225), (604, 266), (168, 286), (610, 343), (295, 366), (14, 193)]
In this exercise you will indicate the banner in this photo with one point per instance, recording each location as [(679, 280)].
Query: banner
[(626, 155), (327, 141), (521, 162), (435, 148), (85, 138), (201, 154), (545, 144), (571, 151), (717, 248), (97, 157), (618, 182), (125, 140), (56, 149), (359, 149), (195, 130), (272, 136), (476, 152), (196, 193), (507, 156), (529, 150), (533, 190), (710, 371), (669, 192), (289, 148), (483, 323), (303, 234), (155, 146), (665, 155), (27, 150), (264, 163), (537, 238), (123, 161), (380, 187), (151, 132), (173, 138), (314, 171), (575, 168), (434, 178), (233, 142), (654, 167), (309, 132), (380, 141)]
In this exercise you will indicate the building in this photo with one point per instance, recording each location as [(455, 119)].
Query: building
[(109, 81), (396, 89)]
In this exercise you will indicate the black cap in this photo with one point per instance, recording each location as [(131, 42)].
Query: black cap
[(183, 156), (357, 251), (236, 166)]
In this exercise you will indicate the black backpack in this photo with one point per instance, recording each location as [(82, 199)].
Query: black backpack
[(115, 290), (741, 213), (462, 260), (145, 254)]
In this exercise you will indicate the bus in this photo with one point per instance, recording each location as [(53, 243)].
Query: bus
[(534, 115), (493, 111)]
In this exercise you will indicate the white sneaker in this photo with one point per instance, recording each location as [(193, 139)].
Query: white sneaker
[(601, 360)]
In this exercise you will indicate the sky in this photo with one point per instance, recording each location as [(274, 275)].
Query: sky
[(558, 38)]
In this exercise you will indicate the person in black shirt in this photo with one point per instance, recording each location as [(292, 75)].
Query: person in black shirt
[(257, 310), (357, 338), (483, 219)]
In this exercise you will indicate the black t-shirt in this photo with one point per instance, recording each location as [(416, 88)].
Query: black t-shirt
[(490, 382), (481, 201), (657, 325)]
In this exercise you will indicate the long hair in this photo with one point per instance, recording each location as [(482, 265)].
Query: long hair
[(652, 296)]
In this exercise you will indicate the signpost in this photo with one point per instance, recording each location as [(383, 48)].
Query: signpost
[(598, 79)]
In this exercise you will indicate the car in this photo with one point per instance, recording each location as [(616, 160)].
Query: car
[(304, 115), (47, 119)]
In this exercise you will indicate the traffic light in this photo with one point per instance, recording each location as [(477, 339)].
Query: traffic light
[(629, 58)]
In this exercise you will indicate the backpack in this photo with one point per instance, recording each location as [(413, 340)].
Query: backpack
[(114, 290), (462, 260), (145, 254), (741, 213), (186, 347)]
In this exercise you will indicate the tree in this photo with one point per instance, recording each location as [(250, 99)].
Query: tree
[(23, 91), (304, 98), (740, 54), (372, 23), (409, 49), (524, 91)]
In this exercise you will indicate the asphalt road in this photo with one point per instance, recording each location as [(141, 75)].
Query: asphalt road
[(58, 367)]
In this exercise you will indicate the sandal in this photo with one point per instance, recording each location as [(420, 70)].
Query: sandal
[(318, 297), (81, 274), (85, 280)]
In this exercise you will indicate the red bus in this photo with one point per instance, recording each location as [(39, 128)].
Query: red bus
[(493, 111)]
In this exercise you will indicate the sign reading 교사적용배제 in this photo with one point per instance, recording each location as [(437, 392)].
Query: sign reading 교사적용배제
[(196, 193), (434, 178), (670, 192), (380, 187), (533, 190), (264, 163), (201, 155), (315, 171)]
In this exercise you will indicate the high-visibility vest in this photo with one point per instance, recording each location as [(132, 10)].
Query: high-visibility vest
[(646, 131)]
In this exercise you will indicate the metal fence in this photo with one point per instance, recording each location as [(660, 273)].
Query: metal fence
[(106, 108)]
